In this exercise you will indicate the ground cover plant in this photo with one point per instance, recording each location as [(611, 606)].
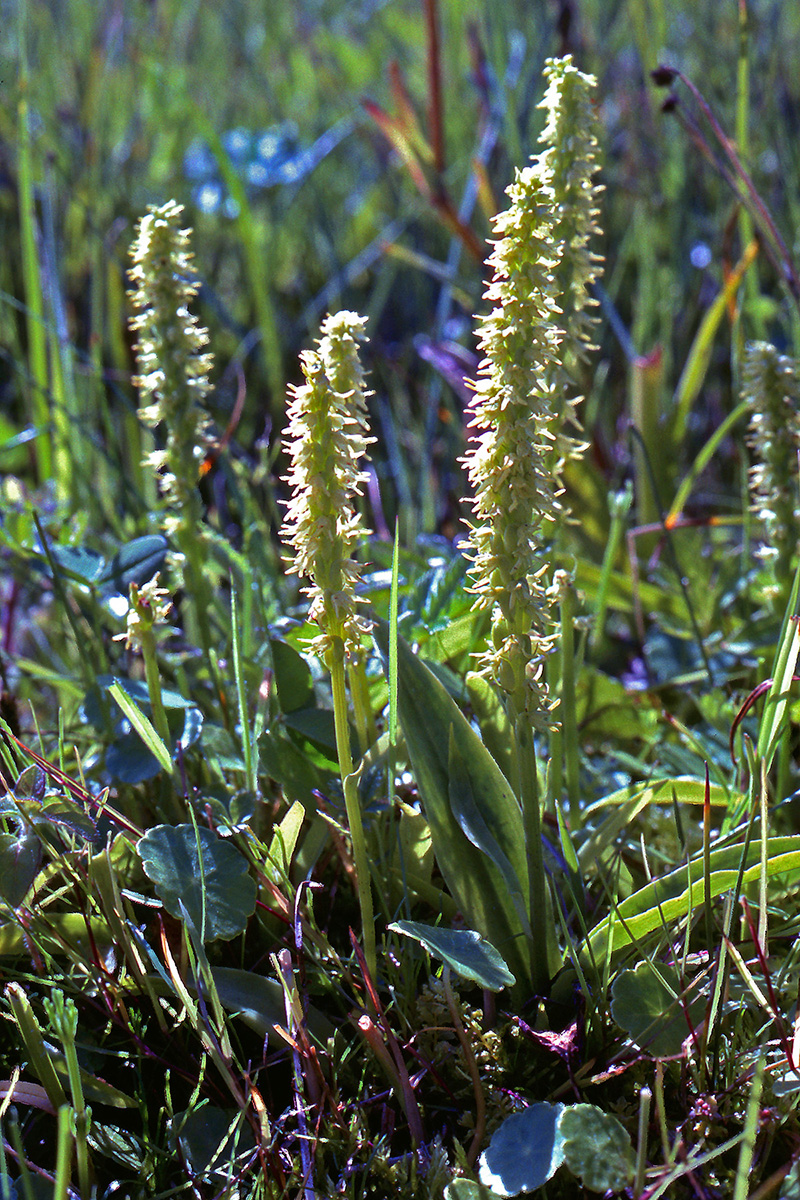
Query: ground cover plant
[(399, 601)]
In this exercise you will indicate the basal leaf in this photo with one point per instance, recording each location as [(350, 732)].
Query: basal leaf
[(474, 821), (427, 717), (76, 562), (142, 724), (669, 898)]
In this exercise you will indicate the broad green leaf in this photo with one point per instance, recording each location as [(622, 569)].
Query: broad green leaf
[(142, 724), (605, 708), (31, 785), (284, 840), (524, 1152), (128, 760), (427, 716), (697, 362), (285, 762), (54, 933), (777, 701), (201, 1132), (20, 859), (464, 951), (474, 824), (647, 1004), (293, 680), (669, 898), (413, 850), (596, 1148), (219, 894), (137, 690), (495, 727), (458, 637), (259, 1001), (60, 811), (135, 563), (316, 724), (626, 804), (76, 562)]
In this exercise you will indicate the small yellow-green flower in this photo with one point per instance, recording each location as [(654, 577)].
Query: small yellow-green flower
[(326, 442), (172, 361), (149, 608)]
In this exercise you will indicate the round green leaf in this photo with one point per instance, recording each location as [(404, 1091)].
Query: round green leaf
[(649, 1008), (596, 1148), (524, 1152), (169, 857), (464, 950)]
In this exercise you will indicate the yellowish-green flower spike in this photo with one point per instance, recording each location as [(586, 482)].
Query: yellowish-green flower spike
[(172, 361), (515, 491), (771, 385), (569, 163), (326, 443)]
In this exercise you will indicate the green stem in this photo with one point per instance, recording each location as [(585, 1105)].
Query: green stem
[(352, 803), (619, 506), (201, 599), (31, 275), (567, 710), (472, 1067), (362, 711), (528, 792), (154, 687), (555, 770)]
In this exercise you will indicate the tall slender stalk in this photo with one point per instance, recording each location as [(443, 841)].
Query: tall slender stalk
[(542, 266), (173, 383)]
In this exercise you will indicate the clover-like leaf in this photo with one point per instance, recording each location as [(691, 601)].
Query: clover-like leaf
[(596, 1148), (525, 1151), (213, 887)]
